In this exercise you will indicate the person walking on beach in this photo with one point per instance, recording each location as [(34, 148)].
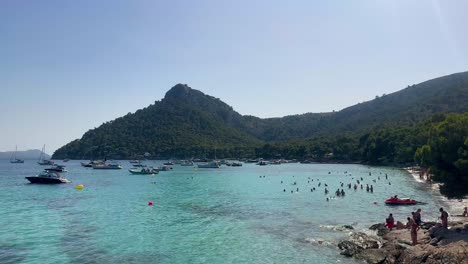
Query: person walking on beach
[(444, 217)]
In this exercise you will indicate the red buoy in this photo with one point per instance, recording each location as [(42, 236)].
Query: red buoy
[(150, 203)]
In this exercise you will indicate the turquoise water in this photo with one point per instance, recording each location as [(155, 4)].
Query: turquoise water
[(227, 215)]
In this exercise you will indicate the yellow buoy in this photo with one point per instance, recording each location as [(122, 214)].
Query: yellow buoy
[(79, 187)]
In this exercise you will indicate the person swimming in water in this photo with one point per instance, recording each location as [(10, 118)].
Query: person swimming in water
[(372, 189), (326, 191), (367, 187), (342, 192)]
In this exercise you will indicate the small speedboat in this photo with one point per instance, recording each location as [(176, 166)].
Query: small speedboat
[(209, 165), (236, 164), (57, 168), (16, 161), (48, 177), (400, 201), (164, 168), (263, 163), (45, 162), (186, 163), (144, 171), (169, 163), (105, 166)]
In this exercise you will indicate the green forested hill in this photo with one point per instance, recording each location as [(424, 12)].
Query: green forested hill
[(188, 123)]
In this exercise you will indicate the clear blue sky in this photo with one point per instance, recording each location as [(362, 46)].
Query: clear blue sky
[(68, 66)]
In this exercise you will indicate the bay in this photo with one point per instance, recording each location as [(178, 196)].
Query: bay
[(227, 215)]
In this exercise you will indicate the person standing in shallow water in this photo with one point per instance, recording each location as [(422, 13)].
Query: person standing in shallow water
[(444, 217)]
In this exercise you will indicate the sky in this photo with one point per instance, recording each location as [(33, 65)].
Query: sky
[(68, 66)]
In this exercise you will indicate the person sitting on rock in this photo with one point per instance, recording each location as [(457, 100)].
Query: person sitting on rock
[(390, 222), (409, 223)]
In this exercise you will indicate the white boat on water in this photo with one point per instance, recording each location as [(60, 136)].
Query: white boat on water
[(186, 163), (14, 159), (43, 161), (107, 166), (209, 165)]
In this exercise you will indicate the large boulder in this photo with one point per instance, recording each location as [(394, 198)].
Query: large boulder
[(380, 228), (357, 243)]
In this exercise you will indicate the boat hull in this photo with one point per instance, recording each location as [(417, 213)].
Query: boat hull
[(41, 180), (400, 202)]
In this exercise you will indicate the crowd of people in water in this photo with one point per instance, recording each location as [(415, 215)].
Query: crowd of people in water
[(355, 185), (415, 222)]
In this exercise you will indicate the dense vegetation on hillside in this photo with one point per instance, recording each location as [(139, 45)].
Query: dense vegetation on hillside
[(187, 123)]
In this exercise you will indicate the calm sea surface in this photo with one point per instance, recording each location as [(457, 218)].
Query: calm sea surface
[(226, 215)]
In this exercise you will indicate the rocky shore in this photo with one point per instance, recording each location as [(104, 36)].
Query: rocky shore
[(435, 245)]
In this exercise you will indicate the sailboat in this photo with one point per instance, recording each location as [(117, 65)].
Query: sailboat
[(43, 161), (15, 159)]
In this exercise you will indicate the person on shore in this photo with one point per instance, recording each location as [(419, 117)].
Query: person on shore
[(414, 233), (417, 217), (465, 212), (390, 222), (409, 223), (444, 217)]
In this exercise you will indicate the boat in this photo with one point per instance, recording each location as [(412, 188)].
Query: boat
[(236, 164), (107, 166), (186, 163), (66, 160), (43, 161), (262, 163), (91, 163), (144, 171), (164, 168), (57, 168), (48, 177), (169, 163), (400, 201), (15, 159), (209, 165), (137, 163)]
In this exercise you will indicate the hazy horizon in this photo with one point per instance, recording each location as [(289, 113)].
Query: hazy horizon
[(67, 67)]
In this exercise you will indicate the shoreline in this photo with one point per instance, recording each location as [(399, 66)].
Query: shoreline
[(435, 244)]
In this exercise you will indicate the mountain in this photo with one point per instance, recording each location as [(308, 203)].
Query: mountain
[(32, 154), (189, 123)]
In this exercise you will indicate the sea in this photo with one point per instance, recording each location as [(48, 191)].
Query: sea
[(248, 214)]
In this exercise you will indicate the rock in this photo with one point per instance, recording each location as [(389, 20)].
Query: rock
[(348, 227), (434, 241), (428, 225), (357, 243), (380, 228), (372, 256), (437, 231), (349, 248)]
